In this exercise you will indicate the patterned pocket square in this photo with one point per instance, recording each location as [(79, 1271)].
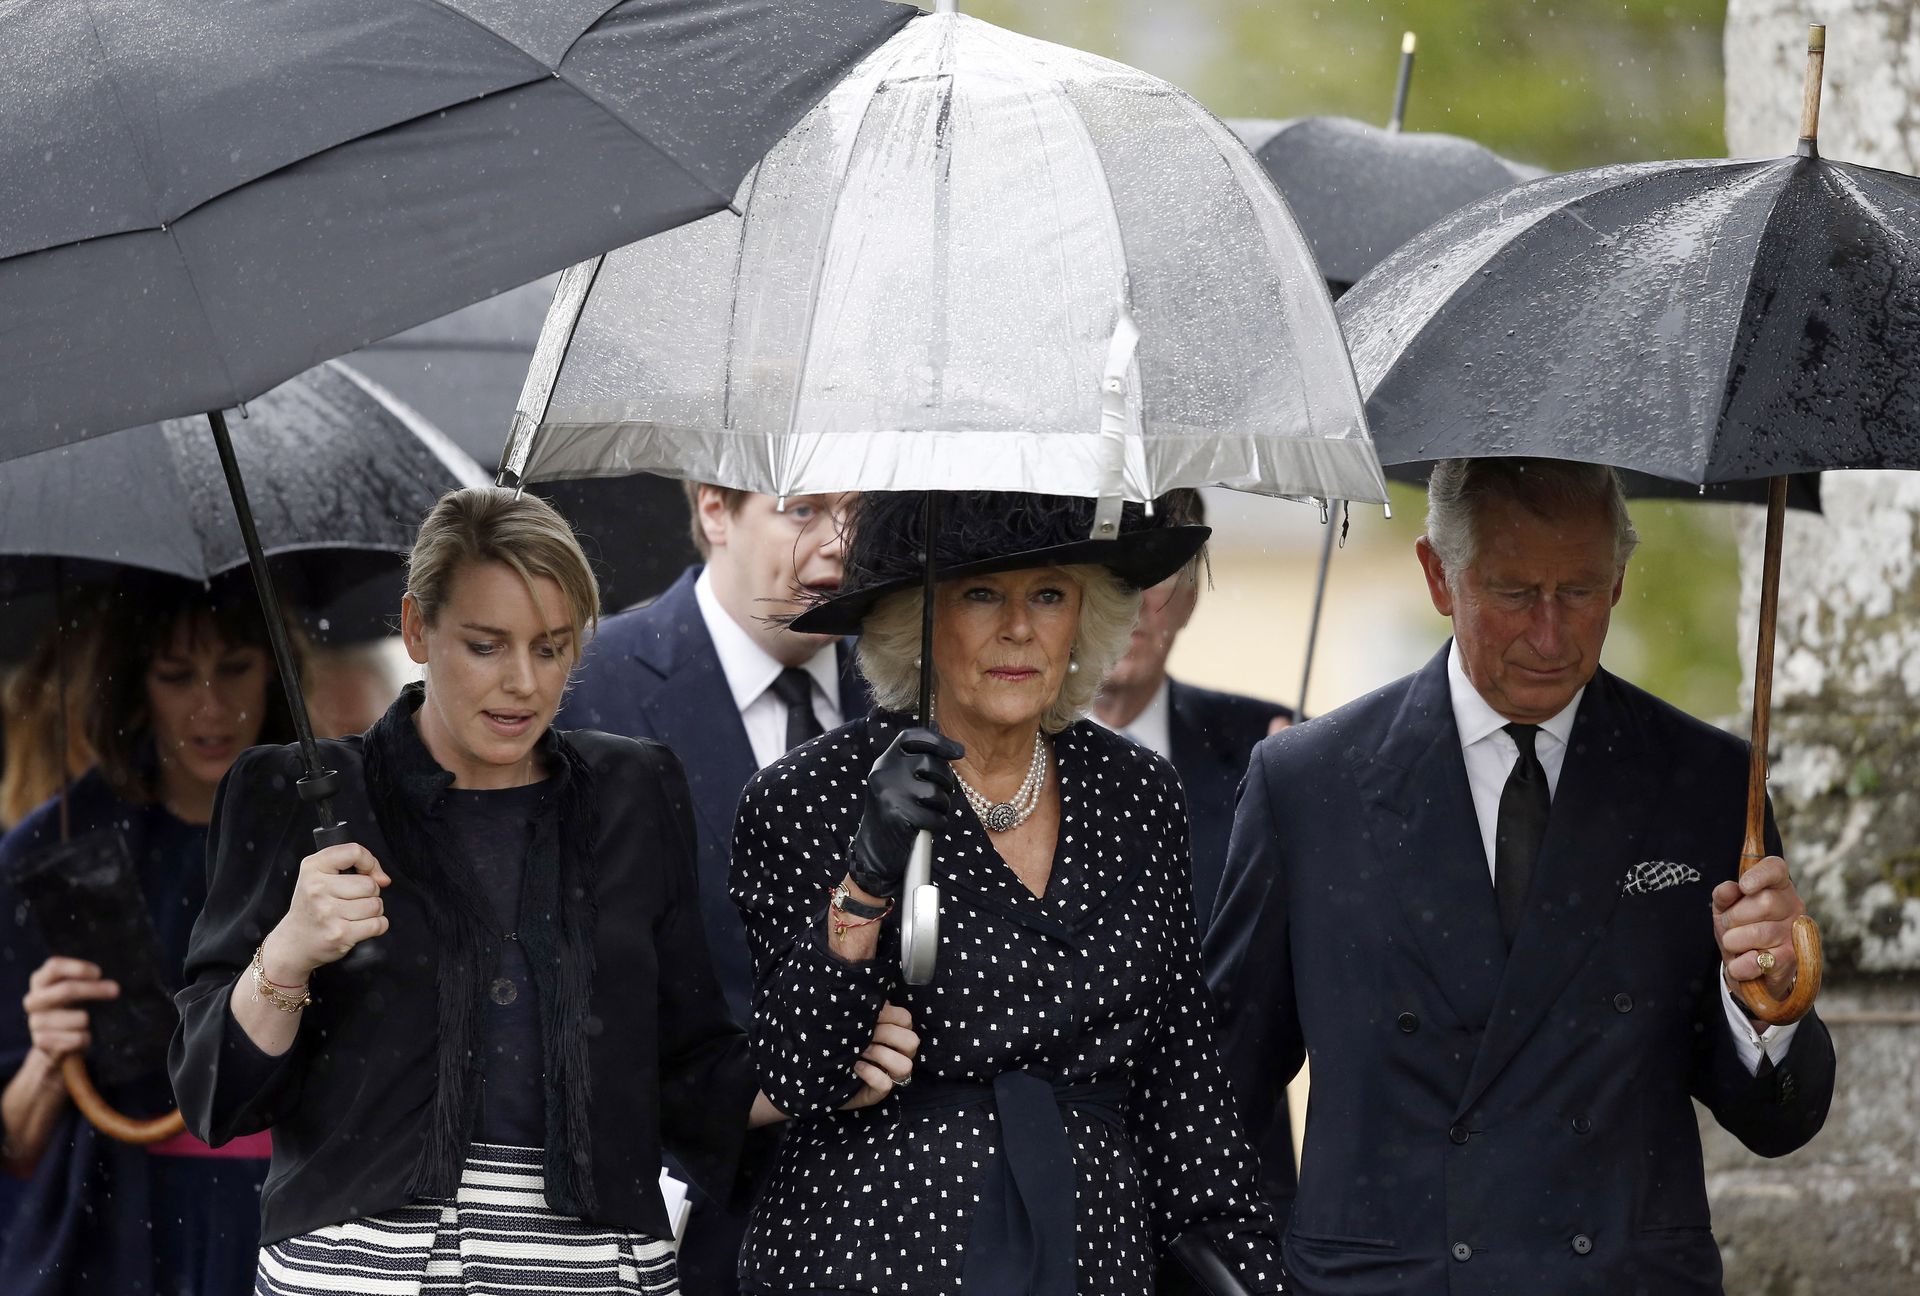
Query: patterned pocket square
[(1657, 875)]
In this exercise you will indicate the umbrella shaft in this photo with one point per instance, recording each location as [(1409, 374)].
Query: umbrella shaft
[(1755, 847), (1313, 622), (930, 523), (269, 603)]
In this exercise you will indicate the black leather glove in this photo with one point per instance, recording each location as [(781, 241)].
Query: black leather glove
[(912, 787)]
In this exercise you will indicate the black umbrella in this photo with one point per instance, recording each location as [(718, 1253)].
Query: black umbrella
[(1703, 321), (1360, 191), (200, 199), (343, 475), (464, 372)]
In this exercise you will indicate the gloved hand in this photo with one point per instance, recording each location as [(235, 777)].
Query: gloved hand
[(912, 787)]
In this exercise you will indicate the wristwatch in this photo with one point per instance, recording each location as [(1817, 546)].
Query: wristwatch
[(843, 902)]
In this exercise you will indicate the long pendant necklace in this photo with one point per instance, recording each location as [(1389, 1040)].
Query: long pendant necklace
[(1004, 815)]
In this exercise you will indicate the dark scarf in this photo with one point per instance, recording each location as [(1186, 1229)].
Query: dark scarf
[(557, 919)]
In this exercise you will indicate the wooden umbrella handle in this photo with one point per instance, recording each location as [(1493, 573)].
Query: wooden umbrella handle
[(73, 1070), (1806, 933)]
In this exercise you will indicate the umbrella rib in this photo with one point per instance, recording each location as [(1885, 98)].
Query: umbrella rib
[(555, 71), (1734, 361), (785, 450), (132, 138)]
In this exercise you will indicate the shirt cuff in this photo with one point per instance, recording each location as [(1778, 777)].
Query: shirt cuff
[(1751, 1039)]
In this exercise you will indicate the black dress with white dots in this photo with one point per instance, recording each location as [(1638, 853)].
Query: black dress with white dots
[(1094, 987)]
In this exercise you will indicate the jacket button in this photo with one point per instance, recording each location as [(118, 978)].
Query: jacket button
[(1458, 1134), (1408, 1023), (1623, 1002), (1582, 1244), (1462, 1252), (1581, 1125)]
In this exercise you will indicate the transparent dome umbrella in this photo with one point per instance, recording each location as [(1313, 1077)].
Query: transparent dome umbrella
[(200, 200), (982, 262), (1703, 321)]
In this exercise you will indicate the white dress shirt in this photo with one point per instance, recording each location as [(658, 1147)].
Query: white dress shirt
[(751, 671), (1153, 727), (1490, 754)]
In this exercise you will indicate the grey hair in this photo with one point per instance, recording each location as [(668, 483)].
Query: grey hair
[(1547, 488), (889, 653)]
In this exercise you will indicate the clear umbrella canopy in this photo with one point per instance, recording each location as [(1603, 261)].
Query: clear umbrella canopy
[(958, 244)]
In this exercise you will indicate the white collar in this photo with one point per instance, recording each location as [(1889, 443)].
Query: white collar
[(749, 668), (1475, 719), (1153, 727)]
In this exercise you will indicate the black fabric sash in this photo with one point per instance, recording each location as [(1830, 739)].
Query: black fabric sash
[(1021, 1240)]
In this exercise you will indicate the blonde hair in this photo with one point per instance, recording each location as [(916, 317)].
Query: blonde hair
[(523, 532), (890, 645), (33, 722)]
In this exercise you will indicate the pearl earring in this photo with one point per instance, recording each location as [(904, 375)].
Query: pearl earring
[(1073, 666)]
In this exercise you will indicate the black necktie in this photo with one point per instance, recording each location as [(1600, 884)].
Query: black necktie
[(1524, 803), (795, 687)]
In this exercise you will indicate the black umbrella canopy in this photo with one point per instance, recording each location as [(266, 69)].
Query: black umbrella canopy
[(199, 198), (464, 372), (337, 467), (1359, 191), (1705, 321)]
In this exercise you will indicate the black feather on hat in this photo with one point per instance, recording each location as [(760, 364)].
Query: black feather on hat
[(989, 531)]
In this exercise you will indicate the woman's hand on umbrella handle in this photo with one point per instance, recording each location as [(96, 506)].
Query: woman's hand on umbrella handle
[(912, 788), (887, 1062), (57, 1021), (336, 905)]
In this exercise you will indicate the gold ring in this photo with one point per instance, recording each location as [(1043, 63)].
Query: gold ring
[(1765, 959)]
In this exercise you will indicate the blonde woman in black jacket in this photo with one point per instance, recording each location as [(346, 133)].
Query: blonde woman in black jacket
[(486, 1100)]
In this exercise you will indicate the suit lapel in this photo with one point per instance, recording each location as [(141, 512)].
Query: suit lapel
[(1421, 820), (691, 698), (1607, 785)]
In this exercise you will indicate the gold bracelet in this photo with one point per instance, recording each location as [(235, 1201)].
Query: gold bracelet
[(272, 993)]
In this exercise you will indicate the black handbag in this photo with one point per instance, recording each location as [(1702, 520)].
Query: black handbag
[(83, 897)]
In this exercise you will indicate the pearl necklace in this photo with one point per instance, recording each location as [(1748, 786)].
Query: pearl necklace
[(1011, 813)]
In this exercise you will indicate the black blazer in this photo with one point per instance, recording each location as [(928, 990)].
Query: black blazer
[(1212, 735), (652, 672), (350, 1103), (1486, 1122)]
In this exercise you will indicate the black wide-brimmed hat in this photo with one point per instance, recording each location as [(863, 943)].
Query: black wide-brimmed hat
[(990, 531)]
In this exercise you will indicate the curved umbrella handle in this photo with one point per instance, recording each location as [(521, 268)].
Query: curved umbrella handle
[(919, 914), (73, 1070), (1806, 950)]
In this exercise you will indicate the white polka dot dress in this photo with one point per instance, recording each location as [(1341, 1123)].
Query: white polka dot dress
[(1096, 981)]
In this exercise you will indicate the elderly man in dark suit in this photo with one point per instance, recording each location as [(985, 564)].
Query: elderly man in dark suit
[(704, 669), (1496, 901)]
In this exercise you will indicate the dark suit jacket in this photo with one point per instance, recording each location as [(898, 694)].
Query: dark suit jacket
[(1486, 1122), (1212, 735), (652, 672)]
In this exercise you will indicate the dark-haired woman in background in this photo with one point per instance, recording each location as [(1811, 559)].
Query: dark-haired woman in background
[(181, 684)]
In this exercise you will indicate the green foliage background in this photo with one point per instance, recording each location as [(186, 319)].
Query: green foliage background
[(1562, 84)]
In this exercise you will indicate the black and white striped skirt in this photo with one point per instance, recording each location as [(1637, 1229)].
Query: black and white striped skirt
[(495, 1237)]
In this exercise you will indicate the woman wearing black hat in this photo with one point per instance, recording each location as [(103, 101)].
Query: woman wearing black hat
[(1068, 1122)]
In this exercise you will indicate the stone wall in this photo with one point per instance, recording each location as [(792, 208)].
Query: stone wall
[(1843, 1215)]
